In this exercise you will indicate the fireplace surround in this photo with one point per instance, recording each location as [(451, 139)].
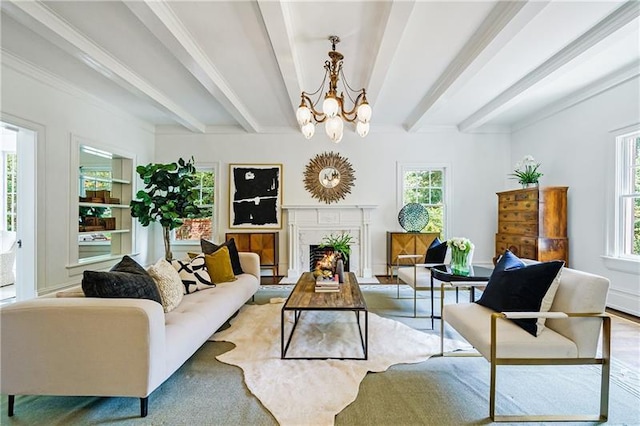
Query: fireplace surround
[(308, 225)]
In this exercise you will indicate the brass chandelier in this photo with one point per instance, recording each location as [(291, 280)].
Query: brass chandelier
[(333, 107)]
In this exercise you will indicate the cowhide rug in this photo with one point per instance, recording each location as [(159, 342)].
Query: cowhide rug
[(299, 392)]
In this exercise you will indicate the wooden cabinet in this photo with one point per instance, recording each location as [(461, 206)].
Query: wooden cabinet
[(406, 243), (532, 223), (264, 244)]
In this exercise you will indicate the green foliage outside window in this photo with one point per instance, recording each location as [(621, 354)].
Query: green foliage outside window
[(427, 188), (201, 225), (11, 174), (636, 205)]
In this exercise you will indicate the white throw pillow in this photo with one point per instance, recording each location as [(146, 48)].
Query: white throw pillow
[(168, 282), (547, 301), (193, 273)]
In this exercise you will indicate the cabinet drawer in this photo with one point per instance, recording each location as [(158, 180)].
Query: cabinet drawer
[(529, 195), (514, 239), (518, 228), (528, 205), (518, 216)]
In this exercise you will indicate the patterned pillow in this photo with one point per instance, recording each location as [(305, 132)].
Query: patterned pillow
[(193, 273), (169, 284), (127, 279)]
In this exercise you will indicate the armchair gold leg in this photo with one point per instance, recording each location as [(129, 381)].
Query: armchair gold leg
[(605, 362)]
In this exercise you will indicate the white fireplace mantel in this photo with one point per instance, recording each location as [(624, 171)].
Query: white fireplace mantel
[(307, 225)]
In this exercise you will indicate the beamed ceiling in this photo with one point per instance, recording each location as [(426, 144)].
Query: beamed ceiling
[(239, 66)]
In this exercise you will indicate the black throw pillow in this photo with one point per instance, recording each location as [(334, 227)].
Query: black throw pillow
[(520, 290), (127, 279), (209, 248), (436, 252), (508, 261)]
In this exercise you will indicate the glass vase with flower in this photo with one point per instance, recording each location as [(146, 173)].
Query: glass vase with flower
[(460, 248)]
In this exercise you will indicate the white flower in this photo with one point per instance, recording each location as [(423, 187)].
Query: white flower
[(460, 243)]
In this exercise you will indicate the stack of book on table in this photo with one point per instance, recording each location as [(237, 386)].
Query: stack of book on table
[(324, 285)]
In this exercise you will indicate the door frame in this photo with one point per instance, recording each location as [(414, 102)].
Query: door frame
[(31, 189)]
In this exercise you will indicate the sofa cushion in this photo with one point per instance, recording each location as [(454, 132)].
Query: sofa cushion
[(436, 252), (508, 261), (520, 290), (168, 282), (127, 279), (193, 273), (219, 266), (209, 248)]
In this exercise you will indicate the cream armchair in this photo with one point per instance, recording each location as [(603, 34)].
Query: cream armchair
[(418, 276), (7, 257), (570, 336)]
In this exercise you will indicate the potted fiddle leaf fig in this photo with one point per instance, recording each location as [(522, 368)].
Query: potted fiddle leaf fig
[(167, 198)]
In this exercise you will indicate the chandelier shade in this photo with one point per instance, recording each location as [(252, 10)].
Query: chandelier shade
[(334, 112)]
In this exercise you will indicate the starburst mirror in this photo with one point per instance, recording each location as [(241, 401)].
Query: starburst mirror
[(329, 177)]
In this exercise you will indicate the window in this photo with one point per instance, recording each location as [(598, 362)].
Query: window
[(193, 229), (426, 185), (10, 190), (628, 197)]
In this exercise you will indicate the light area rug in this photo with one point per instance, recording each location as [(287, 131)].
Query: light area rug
[(301, 392)]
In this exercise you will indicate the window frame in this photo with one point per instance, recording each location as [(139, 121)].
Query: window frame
[(615, 258), (624, 191), (215, 230), (445, 168)]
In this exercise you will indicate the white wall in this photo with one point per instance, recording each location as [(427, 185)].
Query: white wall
[(62, 112), (576, 149), (479, 164)]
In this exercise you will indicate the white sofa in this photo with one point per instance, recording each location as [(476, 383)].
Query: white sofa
[(81, 346)]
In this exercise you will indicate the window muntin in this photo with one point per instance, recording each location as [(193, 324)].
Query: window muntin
[(426, 185), (192, 229)]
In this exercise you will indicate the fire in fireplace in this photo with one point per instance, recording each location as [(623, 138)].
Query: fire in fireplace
[(323, 255)]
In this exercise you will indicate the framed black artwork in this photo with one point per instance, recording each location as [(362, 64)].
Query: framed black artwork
[(255, 196)]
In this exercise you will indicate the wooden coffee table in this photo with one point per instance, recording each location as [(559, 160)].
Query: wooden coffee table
[(304, 298)]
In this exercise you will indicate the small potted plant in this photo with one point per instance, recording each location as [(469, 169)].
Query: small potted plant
[(526, 171), (340, 243)]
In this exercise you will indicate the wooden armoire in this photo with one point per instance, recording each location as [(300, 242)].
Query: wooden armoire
[(532, 223)]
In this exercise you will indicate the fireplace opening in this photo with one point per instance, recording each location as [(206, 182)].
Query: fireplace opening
[(320, 254)]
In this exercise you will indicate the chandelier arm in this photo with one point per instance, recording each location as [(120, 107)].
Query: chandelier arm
[(318, 116), (352, 114)]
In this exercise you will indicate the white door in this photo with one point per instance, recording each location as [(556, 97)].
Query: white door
[(25, 225)]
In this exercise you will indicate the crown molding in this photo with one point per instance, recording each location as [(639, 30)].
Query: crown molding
[(159, 18), (607, 26), (45, 22), (30, 70), (599, 86)]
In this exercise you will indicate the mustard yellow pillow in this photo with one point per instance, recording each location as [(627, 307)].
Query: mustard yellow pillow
[(219, 266)]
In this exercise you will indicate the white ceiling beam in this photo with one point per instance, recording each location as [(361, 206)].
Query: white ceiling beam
[(44, 22), (277, 20), (602, 84), (390, 38), (504, 21), (609, 25), (163, 23)]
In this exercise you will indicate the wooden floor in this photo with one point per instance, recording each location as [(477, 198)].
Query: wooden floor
[(625, 330)]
